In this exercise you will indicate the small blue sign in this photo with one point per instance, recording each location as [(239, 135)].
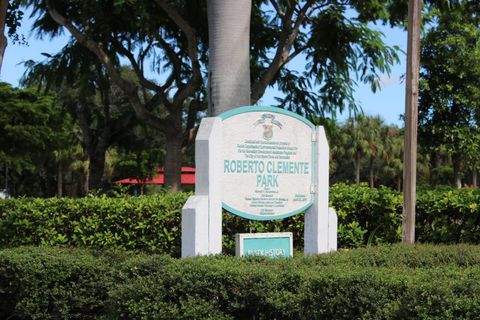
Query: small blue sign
[(271, 245)]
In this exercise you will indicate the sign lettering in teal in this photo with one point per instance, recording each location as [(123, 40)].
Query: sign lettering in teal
[(271, 245), (267, 159)]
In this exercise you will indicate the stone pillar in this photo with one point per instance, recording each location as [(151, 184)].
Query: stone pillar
[(320, 234), (202, 214)]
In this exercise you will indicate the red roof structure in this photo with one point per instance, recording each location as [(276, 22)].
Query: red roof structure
[(187, 178)]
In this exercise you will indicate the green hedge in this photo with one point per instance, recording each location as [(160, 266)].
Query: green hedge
[(448, 216), (152, 223), (366, 215), (387, 282)]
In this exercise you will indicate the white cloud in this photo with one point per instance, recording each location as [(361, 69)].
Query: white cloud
[(386, 80)]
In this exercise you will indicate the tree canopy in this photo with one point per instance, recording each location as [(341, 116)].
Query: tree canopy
[(170, 39), (449, 106), (10, 20), (33, 129)]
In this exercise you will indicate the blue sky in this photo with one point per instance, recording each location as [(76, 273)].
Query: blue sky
[(389, 102)]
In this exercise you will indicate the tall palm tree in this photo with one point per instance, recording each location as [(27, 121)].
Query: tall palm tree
[(362, 139), (375, 133), (393, 155), (354, 141), (229, 57)]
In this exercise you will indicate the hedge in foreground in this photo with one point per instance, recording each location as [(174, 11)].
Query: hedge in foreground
[(152, 223), (391, 282)]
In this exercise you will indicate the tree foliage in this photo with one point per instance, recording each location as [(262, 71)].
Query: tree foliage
[(367, 143), (169, 38), (13, 21), (32, 130), (10, 20), (449, 106), (100, 109)]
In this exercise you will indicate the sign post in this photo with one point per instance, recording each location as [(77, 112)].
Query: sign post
[(261, 163), (320, 234)]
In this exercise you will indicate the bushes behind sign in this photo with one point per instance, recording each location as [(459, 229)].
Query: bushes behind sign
[(152, 223), (388, 282)]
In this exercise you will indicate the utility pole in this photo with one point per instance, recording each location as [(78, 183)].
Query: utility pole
[(411, 117)]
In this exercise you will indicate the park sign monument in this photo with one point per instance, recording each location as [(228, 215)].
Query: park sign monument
[(260, 163), (267, 158)]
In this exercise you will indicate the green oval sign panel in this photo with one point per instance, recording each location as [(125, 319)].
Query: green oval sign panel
[(267, 162)]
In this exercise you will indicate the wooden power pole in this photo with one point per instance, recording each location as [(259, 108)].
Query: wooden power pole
[(411, 116)]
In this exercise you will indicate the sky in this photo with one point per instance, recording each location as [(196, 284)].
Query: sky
[(389, 102)]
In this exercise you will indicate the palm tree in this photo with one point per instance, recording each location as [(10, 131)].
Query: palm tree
[(229, 58), (375, 133), (362, 139), (354, 141), (393, 155)]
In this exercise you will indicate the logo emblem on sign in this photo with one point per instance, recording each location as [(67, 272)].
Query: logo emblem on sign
[(268, 121)]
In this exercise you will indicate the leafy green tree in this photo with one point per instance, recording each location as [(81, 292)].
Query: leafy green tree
[(100, 109), (136, 30), (449, 106), (32, 129), (339, 48), (10, 17), (138, 153)]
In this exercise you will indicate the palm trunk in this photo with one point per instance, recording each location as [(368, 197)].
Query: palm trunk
[(435, 163), (357, 169), (458, 182), (86, 179), (60, 180), (229, 59), (371, 173), (474, 177), (456, 174), (3, 38), (6, 178)]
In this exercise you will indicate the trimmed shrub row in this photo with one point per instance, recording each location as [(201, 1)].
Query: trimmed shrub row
[(388, 282), (152, 223)]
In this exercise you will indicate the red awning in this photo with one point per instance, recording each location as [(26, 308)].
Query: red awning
[(184, 170), (188, 177)]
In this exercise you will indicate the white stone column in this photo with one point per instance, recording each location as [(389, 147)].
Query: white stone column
[(195, 227), (332, 229), (320, 232), (202, 214)]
